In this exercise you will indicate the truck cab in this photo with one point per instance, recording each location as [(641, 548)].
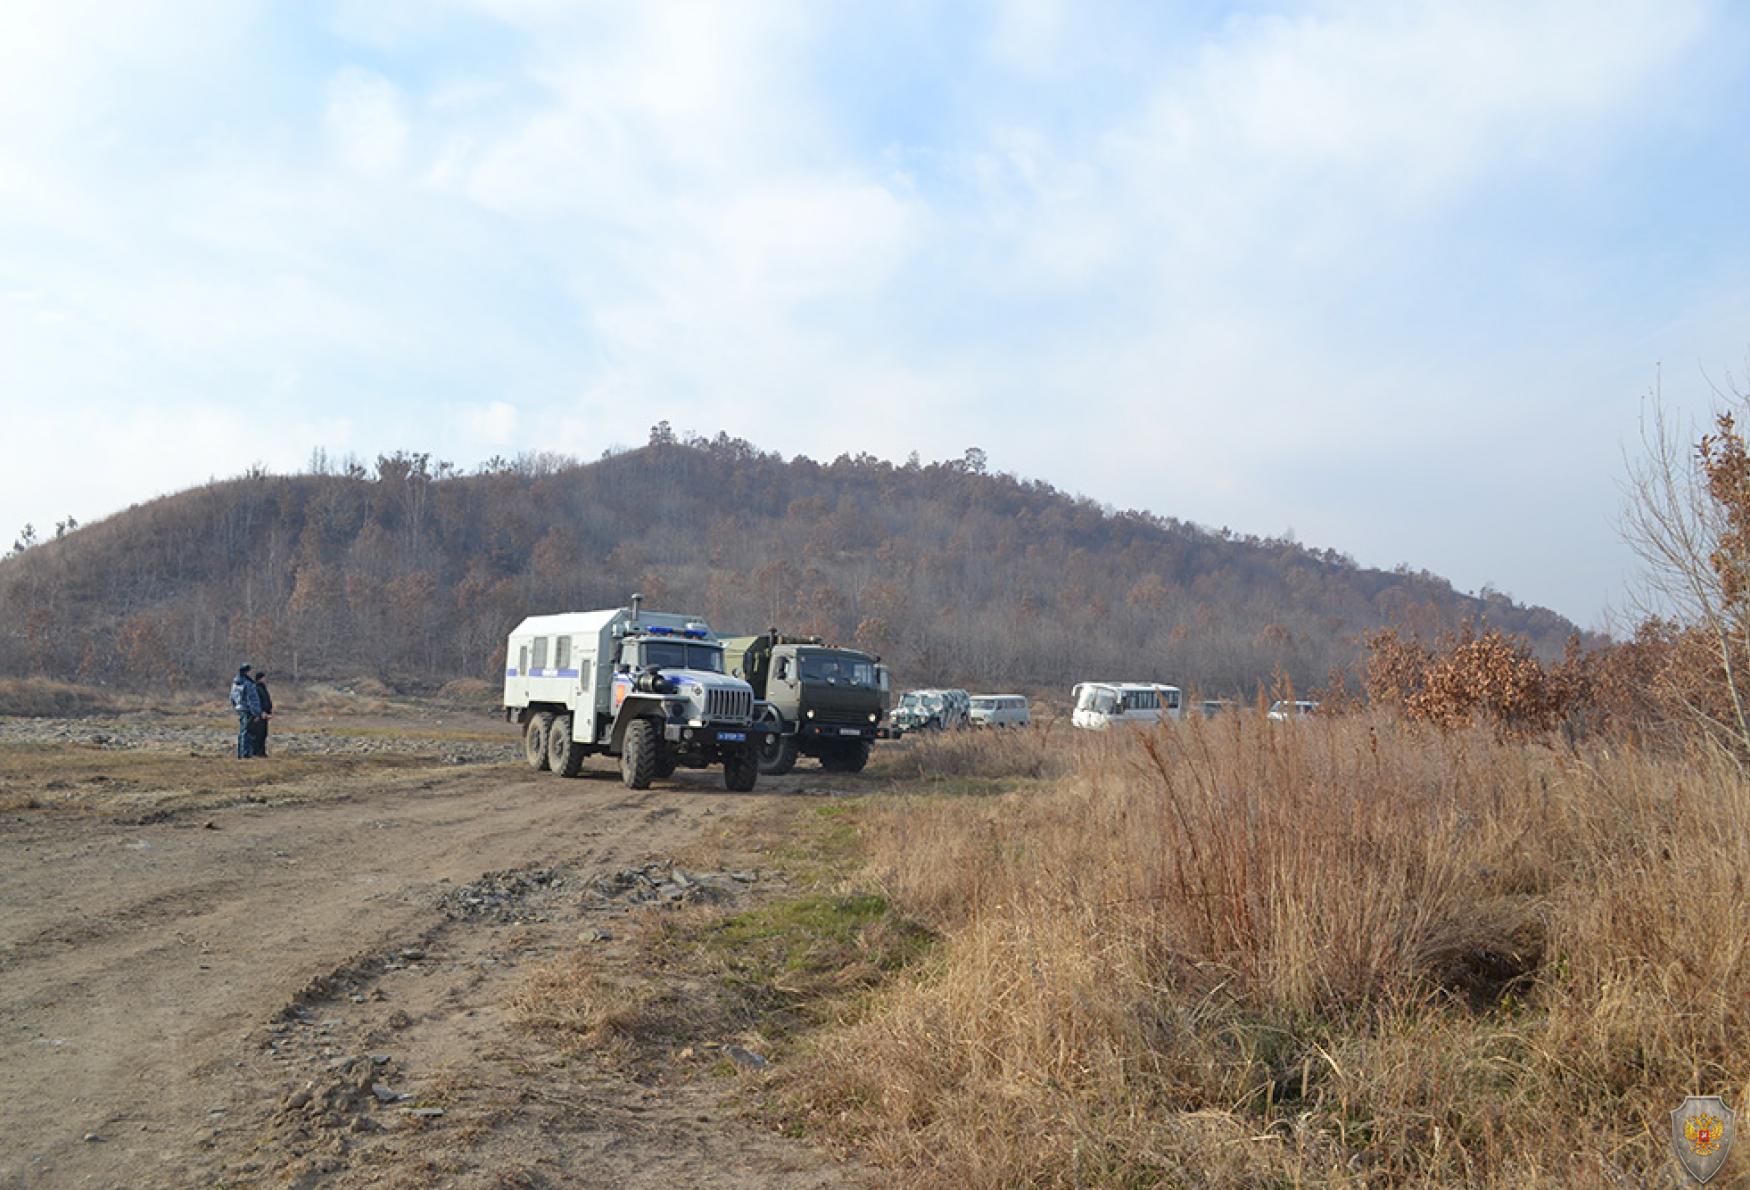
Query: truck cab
[(816, 699), (648, 688)]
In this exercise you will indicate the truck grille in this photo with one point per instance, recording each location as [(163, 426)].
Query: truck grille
[(735, 706)]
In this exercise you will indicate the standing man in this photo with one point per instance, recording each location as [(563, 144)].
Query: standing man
[(266, 701), (247, 703)]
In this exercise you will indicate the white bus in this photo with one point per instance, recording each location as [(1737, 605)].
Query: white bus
[(1099, 705)]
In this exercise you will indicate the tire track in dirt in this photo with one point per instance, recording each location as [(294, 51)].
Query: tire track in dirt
[(141, 1019)]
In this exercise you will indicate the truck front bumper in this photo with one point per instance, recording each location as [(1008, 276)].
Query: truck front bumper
[(838, 731), (713, 735)]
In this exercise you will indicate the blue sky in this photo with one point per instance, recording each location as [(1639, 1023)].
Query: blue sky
[(1393, 277)]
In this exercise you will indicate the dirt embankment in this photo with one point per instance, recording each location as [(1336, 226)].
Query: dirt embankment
[(301, 970)]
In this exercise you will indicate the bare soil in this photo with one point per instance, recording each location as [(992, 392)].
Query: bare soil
[(299, 970)]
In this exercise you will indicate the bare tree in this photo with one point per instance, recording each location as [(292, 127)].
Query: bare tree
[(1688, 497)]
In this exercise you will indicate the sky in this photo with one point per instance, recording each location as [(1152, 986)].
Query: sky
[(1395, 279)]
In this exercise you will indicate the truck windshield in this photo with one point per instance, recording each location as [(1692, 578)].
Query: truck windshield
[(984, 704), (837, 671), (676, 654), (1098, 698)]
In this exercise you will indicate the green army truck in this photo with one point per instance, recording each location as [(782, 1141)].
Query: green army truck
[(815, 700)]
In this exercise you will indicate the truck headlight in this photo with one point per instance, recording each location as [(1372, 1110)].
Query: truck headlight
[(811, 712), (873, 716)]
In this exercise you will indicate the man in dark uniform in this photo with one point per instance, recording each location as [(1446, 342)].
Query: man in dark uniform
[(266, 699), (247, 703)]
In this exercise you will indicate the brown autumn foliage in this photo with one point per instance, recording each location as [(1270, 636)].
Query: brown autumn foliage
[(1470, 678), (413, 573)]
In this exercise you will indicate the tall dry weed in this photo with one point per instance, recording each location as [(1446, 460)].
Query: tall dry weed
[(1236, 951), (1047, 749)]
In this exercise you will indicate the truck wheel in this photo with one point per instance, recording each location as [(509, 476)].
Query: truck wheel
[(778, 755), (741, 770), (638, 756), (854, 757), (563, 755), (535, 740), (665, 763), (846, 758)]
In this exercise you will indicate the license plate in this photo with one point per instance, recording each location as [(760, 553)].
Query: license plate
[(850, 731), (739, 737)]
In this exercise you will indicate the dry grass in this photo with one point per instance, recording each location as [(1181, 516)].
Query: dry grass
[(471, 692), (1236, 953), (76, 777), (364, 696), (39, 698), (976, 760), (572, 1001)]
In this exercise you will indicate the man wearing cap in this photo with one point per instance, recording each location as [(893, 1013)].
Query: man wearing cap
[(259, 734), (246, 701)]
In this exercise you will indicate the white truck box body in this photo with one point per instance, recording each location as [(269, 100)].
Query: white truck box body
[(567, 657)]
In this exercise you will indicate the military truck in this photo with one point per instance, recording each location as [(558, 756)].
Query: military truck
[(816, 700), (646, 687)]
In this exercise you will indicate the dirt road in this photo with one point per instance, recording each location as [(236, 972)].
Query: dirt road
[(311, 986)]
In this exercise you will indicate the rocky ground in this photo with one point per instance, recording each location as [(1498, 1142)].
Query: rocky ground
[(478, 743), (304, 970)]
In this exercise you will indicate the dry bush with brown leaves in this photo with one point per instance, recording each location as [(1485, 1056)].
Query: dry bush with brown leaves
[(1469, 679), (1237, 953)]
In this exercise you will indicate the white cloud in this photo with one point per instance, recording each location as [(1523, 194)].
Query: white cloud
[(493, 424), (366, 120), (618, 214), (131, 456)]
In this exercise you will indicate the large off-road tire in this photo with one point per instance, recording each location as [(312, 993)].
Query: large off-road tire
[(777, 755), (639, 754), (535, 740), (741, 770), (848, 757), (666, 763), (855, 756), (564, 755)]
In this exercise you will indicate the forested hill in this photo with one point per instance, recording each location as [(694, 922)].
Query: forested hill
[(414, 574)]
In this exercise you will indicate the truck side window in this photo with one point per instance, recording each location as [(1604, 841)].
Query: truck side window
[(562, 653), (539, 660), (783, 669), (583, 675)]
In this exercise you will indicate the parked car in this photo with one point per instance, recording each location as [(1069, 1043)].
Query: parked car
[(999, 710), (1212, 707), (1284, 709), (1099, 705)]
